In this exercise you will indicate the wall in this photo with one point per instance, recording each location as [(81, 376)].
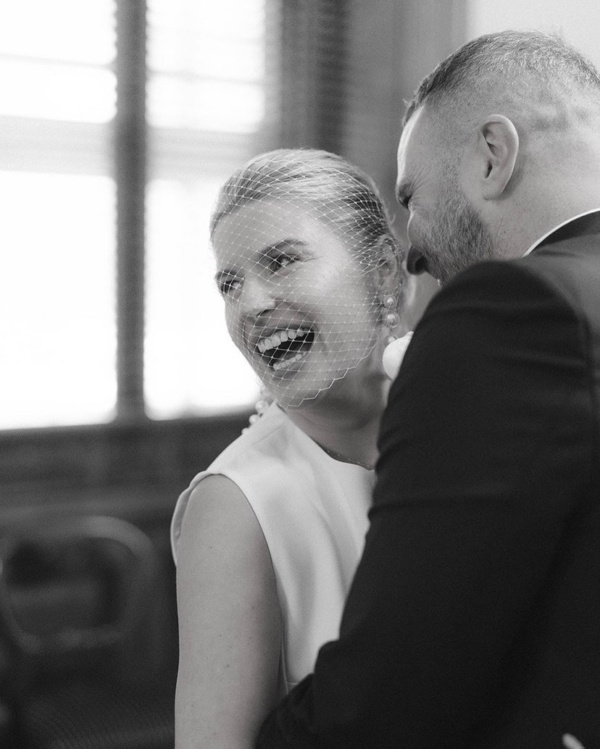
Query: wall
[(392, 45), (578, 21)]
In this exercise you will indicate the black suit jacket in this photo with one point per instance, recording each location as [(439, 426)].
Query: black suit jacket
[(474, 616)]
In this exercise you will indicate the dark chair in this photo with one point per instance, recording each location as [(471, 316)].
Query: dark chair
[(74, 594)]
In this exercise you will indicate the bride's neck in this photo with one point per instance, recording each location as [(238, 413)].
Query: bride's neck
[(346, 429)]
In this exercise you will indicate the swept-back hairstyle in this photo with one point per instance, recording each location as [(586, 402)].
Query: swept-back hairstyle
[(537, 63), (340, 193)]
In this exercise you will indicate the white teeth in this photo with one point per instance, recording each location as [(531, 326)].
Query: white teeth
[(279, 337), (287, 362)]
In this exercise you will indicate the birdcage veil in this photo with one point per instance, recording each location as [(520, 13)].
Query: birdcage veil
[(303, 249)]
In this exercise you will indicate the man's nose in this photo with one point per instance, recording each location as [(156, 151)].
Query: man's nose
[(256, 297), (415, 262)]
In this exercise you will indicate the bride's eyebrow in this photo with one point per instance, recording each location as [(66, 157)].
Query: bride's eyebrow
[(271, 252), (265, 253), (283, 245)]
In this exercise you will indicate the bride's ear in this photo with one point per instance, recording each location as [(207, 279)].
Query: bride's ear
[(389, 271), (394, 281)]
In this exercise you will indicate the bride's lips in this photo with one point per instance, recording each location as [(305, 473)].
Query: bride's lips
[(280, 345)]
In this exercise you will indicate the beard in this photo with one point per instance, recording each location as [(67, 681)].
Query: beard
[(458, 240)]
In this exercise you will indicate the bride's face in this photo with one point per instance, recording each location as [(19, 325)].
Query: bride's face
[(298, 304)]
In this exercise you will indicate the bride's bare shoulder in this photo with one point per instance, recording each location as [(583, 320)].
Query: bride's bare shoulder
[(218, 511)]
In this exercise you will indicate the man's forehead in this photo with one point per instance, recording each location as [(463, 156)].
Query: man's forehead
[(408, 148)]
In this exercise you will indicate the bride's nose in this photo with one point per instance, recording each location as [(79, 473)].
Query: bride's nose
[(256, 297)]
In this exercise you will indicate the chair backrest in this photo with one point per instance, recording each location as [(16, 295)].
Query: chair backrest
[(73, 586)]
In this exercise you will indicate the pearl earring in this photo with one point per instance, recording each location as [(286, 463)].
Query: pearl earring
[(395, 347), (391, 318)]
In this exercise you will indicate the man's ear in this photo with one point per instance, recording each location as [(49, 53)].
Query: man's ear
[(496, 148)]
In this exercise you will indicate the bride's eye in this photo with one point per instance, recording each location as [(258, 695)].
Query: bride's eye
[(228, 285), (281, 260)]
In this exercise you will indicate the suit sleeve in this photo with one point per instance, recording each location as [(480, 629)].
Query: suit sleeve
[(480, 459)]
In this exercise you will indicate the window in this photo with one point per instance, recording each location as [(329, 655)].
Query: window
[(57, 328), (206, 107), (61, 305)]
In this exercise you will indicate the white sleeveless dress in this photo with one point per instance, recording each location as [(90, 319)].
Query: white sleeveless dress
[(313, 512)]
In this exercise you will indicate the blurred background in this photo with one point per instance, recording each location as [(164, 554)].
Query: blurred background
[(118, 121)]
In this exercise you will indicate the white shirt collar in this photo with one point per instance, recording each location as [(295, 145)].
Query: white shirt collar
[(568, 221)]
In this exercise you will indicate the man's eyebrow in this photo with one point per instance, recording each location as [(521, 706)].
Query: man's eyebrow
[(403, 191)]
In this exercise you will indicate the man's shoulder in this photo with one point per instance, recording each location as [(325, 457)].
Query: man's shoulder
[(558, 284), (568, 270), (497, 284), (571, 266)]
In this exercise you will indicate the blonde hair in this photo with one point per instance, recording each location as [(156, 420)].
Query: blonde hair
[(339, 192)]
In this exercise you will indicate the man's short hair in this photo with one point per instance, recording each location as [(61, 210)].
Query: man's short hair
[(541, 63)]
